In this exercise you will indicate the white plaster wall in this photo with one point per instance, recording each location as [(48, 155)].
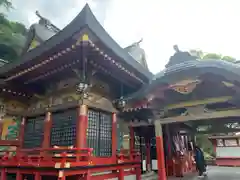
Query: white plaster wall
[(228, 151)]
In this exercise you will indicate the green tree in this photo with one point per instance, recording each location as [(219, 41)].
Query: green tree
[(204, 56), (12, 38), (212, 56), (228, 58), (207, 147), (6, 4)]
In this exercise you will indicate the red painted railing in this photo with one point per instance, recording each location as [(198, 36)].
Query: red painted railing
[(61, 157), (50, 157), (128, 162), (129, 156)]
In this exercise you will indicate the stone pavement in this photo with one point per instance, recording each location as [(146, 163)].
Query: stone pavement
[(217, 173), (214, 173)]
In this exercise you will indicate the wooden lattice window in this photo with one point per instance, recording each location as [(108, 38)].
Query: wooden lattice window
[(99, 133), (33, 132), (63, 132)]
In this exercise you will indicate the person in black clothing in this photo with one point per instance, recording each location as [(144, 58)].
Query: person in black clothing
[(200, 161)]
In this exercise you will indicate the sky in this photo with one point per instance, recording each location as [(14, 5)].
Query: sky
[(207, 25)]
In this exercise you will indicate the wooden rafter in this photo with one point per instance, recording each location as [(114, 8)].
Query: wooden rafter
[(198, 102), (203, 116)]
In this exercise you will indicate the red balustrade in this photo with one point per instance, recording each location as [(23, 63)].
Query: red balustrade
[(53, 157)]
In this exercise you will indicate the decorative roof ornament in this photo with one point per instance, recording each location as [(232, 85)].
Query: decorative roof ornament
[(137, 53), (39, 33), (179, 57), (47, 23)]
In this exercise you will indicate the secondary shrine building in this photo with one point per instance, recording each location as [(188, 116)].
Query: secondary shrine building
[(227, 149)]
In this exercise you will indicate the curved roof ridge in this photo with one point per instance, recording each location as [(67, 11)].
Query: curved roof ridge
[(198, 62), (84, 19), (175, 73), (103, 35)]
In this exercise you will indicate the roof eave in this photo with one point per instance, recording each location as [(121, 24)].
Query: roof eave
[(84, 19), (170, 75)]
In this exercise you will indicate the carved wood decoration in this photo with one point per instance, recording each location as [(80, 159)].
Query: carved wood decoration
[(201, 116), (185, 86), (57, 94), (16, 106), (65, 91)]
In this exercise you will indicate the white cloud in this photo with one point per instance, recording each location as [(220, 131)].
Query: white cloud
[(208, 25)]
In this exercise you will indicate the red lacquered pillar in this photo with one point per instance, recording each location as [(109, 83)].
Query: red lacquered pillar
[(121, 174), (37, 176), (138, 173), (82, 125), (114, 136), (160, 151), (47, 131), (19, 176), (3, 174)]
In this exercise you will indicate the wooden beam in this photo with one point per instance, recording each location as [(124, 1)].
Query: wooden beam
[(199, 102), (224, 137), (67, 105), (216, 131), (204, 116), (9, 142)]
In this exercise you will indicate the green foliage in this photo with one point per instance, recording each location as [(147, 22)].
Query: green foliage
[(6, 4), (228, 58), (212, 56), (204, 56), (207, 147), (12, 38)]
